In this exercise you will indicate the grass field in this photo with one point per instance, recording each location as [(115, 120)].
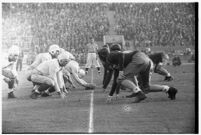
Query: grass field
[(87, 111)]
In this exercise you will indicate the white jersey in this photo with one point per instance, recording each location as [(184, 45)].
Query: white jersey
[(52, 70), (92, 47), (11, 66), (68, 53), (40, 58), (14, 50), (73, 68)]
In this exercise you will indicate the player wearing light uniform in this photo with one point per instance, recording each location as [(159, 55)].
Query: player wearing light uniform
[(71, 57), (76, 73), (9, 70), (49, 74), (54, 51), (92, 58), (73, 72)]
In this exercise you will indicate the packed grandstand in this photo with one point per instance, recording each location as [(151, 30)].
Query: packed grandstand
[(38, 25)]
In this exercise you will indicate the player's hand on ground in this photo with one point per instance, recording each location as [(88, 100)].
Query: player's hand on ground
[(90, 86), (61, 94), (104, 90), (64, 91), (109, 99)]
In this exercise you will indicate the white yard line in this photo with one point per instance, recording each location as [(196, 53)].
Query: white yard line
[(91, 121), (92, 75)]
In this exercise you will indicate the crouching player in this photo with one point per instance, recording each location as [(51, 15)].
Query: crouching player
[(73, 70), (52, 53), (48, 75), (159, 59), (135, 64), (9, 70)]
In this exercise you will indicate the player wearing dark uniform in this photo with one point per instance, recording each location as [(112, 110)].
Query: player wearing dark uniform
[(108, 70), (134, 64), (158, 60)]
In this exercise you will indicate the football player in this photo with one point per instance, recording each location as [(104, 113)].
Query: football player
[(48, 75), (72, 71), (135, 64), (52, 53), (9, 70), (159, 59)]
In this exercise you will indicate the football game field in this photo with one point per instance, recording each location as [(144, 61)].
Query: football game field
[(86, 111)]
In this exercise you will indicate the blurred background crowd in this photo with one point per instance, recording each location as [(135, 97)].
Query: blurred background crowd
[(35, 26)]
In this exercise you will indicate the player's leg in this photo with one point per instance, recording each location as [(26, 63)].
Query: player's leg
[(127, 80), (96, 62), (162, 71), (104, 75), (10, 79), (42, 83), (147, 87), (20, 64), (89, 63), (140, 64), (108, 77), (17, 65)]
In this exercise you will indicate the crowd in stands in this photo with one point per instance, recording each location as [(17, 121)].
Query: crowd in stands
[(156, 23), (71, 24)]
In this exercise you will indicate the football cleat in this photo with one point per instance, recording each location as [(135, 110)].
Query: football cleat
[(35, 95), (11, 95), (168, 78), (45, 94), (132, 95), (139, 97), (172, 93)]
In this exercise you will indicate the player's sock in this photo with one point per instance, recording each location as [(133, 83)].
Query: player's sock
[(86, 70), (98, 68), (165, 88), (47, 91), (168, 75)]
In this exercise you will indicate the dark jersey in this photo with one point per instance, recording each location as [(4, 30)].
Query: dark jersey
[(156, 57), (120, 59)]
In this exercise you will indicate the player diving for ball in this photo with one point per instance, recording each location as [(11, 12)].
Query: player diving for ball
[(9, 70), (136, 68)]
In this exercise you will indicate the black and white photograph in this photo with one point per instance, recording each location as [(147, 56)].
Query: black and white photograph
[(105, 67)]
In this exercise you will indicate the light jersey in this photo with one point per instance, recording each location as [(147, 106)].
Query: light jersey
[(40, 58), (92, 47), (52, 69), (73, 68), (68, 53), (11, 66)]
